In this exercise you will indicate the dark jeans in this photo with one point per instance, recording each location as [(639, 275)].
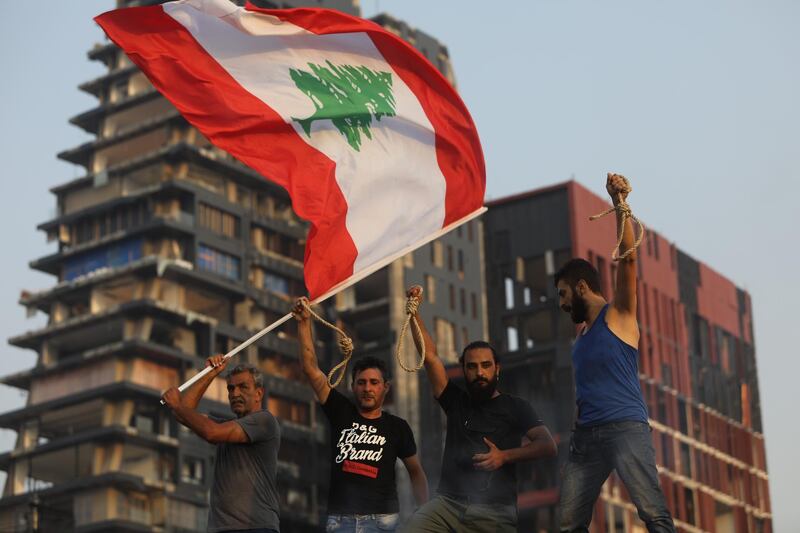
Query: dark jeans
[(626, 447)]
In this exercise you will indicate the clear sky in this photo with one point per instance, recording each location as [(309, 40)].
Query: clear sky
[(696, 102)]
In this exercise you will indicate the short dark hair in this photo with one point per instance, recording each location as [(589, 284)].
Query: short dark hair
[(370, 362), (579, 269), (474, 345), (258, 377)]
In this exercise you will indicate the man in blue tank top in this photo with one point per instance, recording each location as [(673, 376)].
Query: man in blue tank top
[(611, 430)]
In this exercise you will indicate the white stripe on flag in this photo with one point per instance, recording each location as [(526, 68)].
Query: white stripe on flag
[(383, 182)]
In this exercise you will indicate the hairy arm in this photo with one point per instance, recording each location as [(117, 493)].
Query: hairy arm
[(419, 481), (433, 365), (316, 377), (191, 396), (208, 430)]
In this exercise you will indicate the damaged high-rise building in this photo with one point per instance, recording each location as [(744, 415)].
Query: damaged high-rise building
[(168, 251)]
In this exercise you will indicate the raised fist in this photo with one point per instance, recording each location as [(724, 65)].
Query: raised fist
[(414, 291), (300, 310), (617, 186)]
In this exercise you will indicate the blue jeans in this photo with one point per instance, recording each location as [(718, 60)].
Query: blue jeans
[(626, 447), (361, 523)]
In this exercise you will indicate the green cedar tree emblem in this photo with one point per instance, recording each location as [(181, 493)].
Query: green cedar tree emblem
[(348, 96)]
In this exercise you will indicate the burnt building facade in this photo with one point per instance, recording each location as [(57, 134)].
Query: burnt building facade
[(168, 251)]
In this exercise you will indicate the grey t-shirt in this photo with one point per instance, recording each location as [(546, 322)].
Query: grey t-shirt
[(244, 495)]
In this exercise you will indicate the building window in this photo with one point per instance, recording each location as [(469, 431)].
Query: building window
[(192, 471), (445, 340), (115, 255), (289, 410), (452, 297), (509, 286), (430, 288), (437, 254), (450, 258), (276, 284), (463, 301), (218, 220), (225, 265), (461, 263), (512, 339), (473, 300)]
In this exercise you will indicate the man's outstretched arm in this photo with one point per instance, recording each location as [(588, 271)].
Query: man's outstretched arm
[(316, 378), (624, 301), (433, 365)]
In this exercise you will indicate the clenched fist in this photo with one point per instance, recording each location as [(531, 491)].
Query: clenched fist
[(618, 187)]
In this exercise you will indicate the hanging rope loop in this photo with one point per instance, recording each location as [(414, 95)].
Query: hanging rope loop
[(412, 306), (345, 346), (624, 212)]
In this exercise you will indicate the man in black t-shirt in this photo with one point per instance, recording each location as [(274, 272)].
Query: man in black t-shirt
[(365, 443), (478, 486)]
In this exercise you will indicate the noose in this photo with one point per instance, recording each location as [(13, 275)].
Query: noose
[(624, 210), (345, 346), (412, 305)]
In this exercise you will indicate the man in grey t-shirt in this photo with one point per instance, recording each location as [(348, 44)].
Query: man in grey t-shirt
[(244, 496)]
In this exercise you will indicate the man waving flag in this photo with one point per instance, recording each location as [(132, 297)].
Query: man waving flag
[(373, 144)]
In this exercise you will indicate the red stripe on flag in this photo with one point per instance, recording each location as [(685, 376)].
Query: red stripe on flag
[(360, 468), (458, 148), (217, 105)]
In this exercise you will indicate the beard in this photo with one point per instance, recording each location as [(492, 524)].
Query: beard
[(578, 309), (481, 390)]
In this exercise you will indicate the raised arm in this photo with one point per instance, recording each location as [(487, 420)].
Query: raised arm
[(191, 396), (316, 377), (433, 365), (184, 407), (624, 301)]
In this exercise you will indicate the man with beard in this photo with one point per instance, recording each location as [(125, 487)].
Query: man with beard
[(366, 443), (612, 430), (485, 430), (243, 496)]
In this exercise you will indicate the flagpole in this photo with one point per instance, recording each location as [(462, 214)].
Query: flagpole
[(352, 280)]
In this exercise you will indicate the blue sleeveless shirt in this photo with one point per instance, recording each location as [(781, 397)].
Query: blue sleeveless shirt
[(606, 377)]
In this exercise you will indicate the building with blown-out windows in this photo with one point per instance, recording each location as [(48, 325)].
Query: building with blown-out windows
[(166, 251)]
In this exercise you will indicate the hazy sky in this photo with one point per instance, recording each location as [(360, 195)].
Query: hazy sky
[(697, 102)]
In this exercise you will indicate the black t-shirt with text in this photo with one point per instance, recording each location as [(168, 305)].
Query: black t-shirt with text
[(363, 456), (504, 420)]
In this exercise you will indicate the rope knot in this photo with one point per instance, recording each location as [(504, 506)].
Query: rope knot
[(624, 212), (412, 306), (624, 209), (346, 346)]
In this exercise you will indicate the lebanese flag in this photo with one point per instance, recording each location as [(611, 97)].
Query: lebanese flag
[(373, 144)]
